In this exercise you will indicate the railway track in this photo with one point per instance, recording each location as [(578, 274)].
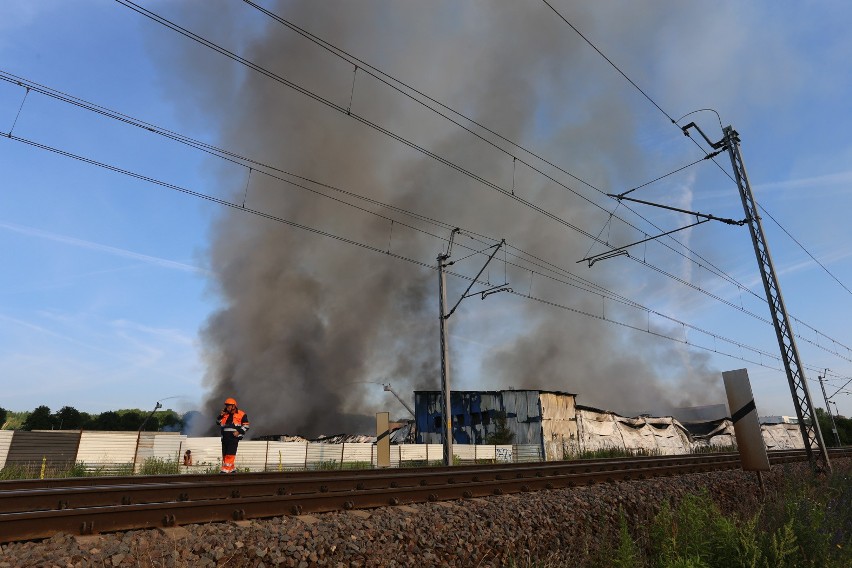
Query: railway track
[(34, 509)]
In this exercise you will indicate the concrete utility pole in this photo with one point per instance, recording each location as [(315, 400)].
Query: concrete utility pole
[(808, 423), (447, 423), (828, 408)]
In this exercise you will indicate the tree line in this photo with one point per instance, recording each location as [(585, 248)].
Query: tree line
[(69, 418), (844, 428)]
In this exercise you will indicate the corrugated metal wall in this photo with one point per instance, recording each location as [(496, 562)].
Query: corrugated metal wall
[(29, 449), (475, 415), (523, 416), (595, 430), (286, 455), (251, 455), (558, 425), (360, 452), (114, 452), (206, 454), (110, 450), (782, 437)]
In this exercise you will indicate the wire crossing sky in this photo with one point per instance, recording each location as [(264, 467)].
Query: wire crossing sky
[(117, 290)]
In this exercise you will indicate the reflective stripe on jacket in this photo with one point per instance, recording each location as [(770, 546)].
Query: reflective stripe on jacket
[(235, 422)]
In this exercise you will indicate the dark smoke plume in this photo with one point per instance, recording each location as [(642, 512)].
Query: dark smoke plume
[(307, 322)]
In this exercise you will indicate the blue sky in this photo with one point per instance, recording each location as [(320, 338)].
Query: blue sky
[(107, 279)]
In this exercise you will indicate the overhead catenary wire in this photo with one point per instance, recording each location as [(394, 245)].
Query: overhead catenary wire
[(239, 59), (331, 48), (369, 123), (254, 166), (394, 82), (647, 183), (20, 108), (821, 265), (673, 121), (428, 265), (159, 19), (608, 60)]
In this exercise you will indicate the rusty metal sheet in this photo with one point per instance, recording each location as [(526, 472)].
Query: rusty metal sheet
[(57, 450)]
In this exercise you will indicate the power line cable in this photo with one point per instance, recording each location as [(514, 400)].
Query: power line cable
[(653, 102), (804, 249), (256, 166), (238, 159), (476, 177), (411, 260), (231, 55), (219, 49), (392, 82), (608, 60)]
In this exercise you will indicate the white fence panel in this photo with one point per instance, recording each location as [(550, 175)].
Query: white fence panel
[(167, 446), (251, 455), (282, 456), (465, 452), (504, 454), (527, 452), (323, 455), (5, 442), (361, 453), (486, 452), (144, 449), (410, 452), (107, 451), (206, 454), (431, 453)]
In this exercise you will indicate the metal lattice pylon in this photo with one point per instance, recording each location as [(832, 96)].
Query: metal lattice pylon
[(808, 423)]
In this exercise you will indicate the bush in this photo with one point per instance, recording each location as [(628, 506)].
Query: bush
[(615, 452), (806, 525), (159, 466)]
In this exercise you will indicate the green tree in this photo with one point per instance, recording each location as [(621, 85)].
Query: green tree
[(68, 418), (844, 428), (109, 421), (39, 419), (501, 434), (169, 421), (3, 414), (132, 420)]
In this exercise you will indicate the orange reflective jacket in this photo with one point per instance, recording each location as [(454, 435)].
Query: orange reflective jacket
[(235, 422)]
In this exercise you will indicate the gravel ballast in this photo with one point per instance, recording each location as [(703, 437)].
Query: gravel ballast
[(565, 525)]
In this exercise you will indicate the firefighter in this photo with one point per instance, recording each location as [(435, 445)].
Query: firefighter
[(233, 423)]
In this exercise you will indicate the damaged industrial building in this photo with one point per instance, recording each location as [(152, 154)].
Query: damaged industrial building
[(559, 428)]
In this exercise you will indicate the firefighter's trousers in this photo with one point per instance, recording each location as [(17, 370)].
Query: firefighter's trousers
[(229, 452)]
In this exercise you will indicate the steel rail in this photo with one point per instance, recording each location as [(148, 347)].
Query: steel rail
[(90, 520), (219, 487), (414, 486), (299, 474)]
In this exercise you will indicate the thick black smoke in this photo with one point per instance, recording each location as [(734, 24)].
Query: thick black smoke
[(307, 320)]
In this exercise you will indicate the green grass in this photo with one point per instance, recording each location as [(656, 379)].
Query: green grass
[(335, 464), (714, 449), (615, 452), (159, 466), (33, 471), (808, 524), (421, 463)]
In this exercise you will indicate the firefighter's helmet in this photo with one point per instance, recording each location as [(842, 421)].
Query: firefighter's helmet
[(230, 401)]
